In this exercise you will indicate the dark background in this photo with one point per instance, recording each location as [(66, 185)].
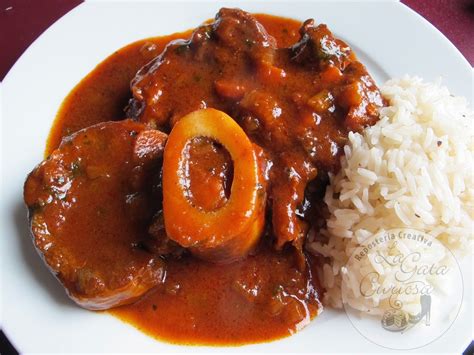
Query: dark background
[(22, 21)]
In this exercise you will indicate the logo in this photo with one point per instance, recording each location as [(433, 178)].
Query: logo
[(402, 289)]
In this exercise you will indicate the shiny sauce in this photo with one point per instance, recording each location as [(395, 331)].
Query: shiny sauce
[(266, 296)]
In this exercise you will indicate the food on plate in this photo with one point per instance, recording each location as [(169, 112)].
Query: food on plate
[(88, 203), (413, 168), (186, 173), (297, 102), (226, 233)]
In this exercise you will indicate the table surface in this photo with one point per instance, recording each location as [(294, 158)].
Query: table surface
[(22, 21)]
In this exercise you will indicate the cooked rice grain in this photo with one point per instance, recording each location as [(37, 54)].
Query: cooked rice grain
[(414, 168)]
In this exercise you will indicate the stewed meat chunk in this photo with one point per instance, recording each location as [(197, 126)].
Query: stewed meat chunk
[(296, 103), (90, 202)]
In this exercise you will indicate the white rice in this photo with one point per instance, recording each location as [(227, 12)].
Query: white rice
[(413, 169)]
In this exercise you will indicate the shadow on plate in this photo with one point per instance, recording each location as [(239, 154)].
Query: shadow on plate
[(33, 260)]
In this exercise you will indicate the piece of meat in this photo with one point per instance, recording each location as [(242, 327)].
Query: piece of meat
[(89, 203), (355, 91), (297, 103), (169, 87)]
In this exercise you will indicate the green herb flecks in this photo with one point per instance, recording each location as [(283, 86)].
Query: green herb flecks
[(76, 169)]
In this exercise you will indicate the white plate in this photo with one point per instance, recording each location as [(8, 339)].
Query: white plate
[(36, 314)]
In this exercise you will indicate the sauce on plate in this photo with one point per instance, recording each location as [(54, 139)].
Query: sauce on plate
[(199, 303)]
